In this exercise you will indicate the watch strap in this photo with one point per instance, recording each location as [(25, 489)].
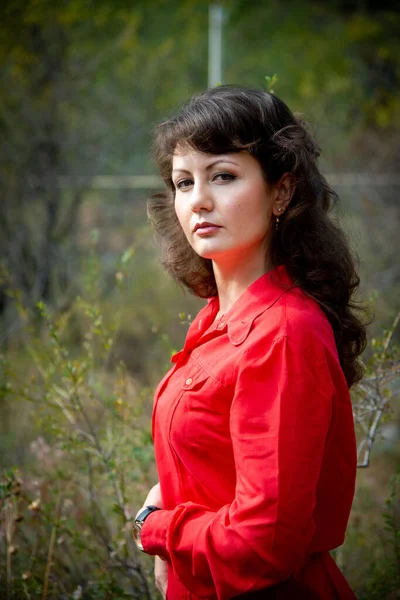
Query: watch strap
[(142, 516)]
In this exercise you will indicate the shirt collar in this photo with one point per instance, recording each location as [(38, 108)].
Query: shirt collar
[(259, 297)]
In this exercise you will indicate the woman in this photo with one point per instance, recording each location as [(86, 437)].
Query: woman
[(252, 426)]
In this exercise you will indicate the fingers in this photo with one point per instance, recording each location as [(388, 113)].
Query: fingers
[(161, 575)]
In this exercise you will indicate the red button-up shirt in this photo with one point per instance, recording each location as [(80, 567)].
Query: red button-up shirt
[(255, 449)]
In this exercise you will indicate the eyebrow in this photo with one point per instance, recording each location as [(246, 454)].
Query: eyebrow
[(210, 166)]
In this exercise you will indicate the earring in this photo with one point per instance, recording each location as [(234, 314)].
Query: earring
[(280, 209)]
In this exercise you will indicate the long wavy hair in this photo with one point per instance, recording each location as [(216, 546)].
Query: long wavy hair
[(308, 242)]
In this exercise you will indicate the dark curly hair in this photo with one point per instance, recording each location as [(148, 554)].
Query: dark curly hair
[(312, 247)]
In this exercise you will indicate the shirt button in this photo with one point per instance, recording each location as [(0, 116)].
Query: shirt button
[(188, 381)]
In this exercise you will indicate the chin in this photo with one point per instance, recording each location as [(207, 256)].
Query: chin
[(208, 253), (205, 253)]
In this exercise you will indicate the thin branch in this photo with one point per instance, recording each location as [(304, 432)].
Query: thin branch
[(51, 548), (391, 331), (369, 440)]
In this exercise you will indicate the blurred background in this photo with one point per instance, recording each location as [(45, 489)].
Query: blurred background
[(88, 319)]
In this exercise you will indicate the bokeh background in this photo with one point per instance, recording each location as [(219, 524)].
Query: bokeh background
[(88, 319)]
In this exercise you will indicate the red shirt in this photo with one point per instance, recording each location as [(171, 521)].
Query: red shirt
[(255, 449)]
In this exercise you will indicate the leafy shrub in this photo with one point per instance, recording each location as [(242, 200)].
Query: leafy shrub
[(66, 522)]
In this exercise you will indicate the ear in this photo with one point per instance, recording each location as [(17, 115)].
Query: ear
[(284, 190)]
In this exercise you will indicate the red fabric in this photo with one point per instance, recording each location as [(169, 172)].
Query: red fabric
[(256, 453)]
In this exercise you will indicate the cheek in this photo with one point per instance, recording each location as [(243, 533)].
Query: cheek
[(252, 218), (184, 217)]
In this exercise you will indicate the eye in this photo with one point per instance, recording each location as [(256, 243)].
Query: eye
[(183, 184), (224, 177)]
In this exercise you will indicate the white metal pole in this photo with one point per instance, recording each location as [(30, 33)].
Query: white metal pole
[(216, 17)]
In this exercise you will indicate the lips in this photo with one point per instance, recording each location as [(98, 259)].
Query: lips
[(205, 225)]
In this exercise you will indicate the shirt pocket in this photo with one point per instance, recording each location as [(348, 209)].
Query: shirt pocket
[(200, 434), (202, 391)]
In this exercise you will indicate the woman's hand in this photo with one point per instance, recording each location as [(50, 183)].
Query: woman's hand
[(161, 575), (153, 498)]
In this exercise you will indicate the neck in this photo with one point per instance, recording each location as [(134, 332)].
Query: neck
[(234, 278)]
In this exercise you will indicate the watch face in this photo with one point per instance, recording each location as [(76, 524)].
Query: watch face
[(136, 529)]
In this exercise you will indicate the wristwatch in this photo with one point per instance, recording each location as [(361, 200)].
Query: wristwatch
[(137, 527)]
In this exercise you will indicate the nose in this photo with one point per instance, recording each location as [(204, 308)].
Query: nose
[(201, 197)]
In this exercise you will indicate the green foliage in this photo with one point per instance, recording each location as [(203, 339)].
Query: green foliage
[(352, 79), (392, 525), (375, 397), (66, 521), (271, 81), (371, 552)]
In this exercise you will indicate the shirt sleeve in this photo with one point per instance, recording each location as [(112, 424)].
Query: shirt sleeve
[(279, 422)]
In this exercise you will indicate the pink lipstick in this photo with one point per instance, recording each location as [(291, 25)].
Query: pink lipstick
[(205, 228)]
